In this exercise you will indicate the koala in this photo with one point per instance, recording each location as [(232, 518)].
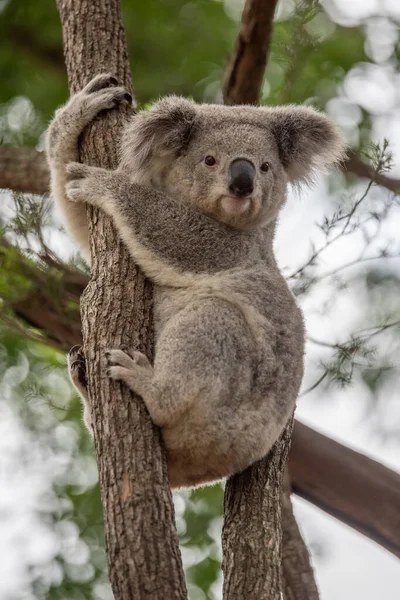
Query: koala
[(195, 198)]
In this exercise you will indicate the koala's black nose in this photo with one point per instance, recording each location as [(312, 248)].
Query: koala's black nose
[(241, 177)]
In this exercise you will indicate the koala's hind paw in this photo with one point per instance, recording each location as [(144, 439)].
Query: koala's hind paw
[(135, 371), (77, 370)]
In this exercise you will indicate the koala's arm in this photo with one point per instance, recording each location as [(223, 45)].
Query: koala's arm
[(159, 231), (62, 146)]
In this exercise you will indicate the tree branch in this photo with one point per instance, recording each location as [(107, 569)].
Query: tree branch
[(351, 487), (245, 71), (297, 572), (42, 311), (23, 170), (358, 167), (50, 306), (142, 545), (252, 535)]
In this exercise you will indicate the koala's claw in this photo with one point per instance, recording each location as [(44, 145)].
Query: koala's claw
[(125, 357), (106, 98), (77, 369), (100, 82), (105, 81), (75, 191)]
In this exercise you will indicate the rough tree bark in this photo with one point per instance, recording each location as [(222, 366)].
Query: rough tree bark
[(297, 574), (252, 534), (142, 546)]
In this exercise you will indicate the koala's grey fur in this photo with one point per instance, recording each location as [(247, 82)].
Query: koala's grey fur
[(229, 336)]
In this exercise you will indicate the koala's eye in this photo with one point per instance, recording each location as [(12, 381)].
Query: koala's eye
[(265, 167), (210, 161)]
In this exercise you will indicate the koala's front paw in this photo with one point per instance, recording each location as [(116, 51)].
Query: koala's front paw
[(86, 184), (102, 93), (134, 370)]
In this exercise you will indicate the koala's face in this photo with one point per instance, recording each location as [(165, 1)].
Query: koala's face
[(230, 171), (232, 163)]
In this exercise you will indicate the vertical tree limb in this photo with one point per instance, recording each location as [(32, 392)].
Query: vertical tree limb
[(142, 546), (245, 71), (297, 572), (252, 536)]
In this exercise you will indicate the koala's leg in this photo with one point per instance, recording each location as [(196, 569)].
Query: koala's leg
[(136, 372), (62, 144), (77, 373)]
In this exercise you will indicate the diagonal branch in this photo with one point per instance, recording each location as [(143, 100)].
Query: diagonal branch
[(47, 310), (245, 72), (358, 167), (353, 488)]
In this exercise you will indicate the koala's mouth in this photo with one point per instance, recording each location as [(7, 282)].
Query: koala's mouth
[(234, 205)]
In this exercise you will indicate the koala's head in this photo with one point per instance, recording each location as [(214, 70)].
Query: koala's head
[(232, 163)]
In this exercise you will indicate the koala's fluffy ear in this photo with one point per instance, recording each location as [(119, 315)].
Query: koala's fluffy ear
[(307, 141), (156, 134)]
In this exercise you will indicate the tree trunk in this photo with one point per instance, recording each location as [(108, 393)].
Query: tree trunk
[(297, 573), (252, 534), (142, 546)]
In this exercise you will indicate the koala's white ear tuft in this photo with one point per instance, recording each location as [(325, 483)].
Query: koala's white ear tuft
[(307, 141), (155, 134)]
